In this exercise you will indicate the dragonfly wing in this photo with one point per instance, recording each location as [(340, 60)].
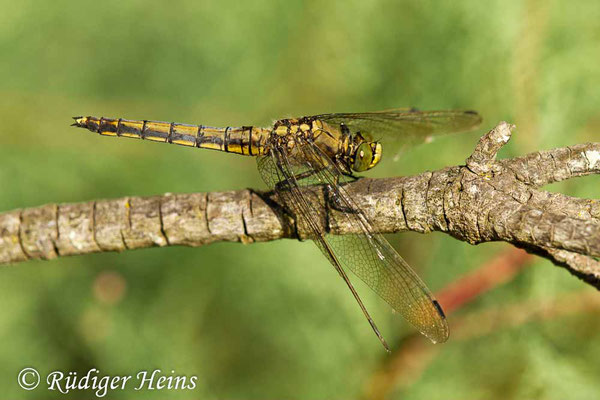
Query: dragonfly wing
[(369, 255), (400, 128), (283, 174)]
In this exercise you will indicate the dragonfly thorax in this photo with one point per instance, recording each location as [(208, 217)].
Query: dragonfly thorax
[(353, 151)]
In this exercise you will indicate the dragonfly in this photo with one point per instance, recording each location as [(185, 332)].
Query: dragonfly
[(326, 150)]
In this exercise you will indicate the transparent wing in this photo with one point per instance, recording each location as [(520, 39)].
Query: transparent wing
[(368, 255), (400, 128), (282, 174)]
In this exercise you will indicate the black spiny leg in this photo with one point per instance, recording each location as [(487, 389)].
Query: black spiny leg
[(335, 202), (352, 177)]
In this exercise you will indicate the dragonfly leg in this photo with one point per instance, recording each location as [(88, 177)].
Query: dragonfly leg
[(352, 177), (337, 203), (331, 199)]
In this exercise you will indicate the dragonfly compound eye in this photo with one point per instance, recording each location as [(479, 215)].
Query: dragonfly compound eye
[(377, 149), (363, 157)]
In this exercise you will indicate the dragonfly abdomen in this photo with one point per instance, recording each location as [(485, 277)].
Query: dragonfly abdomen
[(245, 140)]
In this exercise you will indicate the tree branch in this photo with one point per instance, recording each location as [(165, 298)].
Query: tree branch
[(482, 201)]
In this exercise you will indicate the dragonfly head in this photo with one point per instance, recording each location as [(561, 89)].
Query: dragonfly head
[(366, 156)]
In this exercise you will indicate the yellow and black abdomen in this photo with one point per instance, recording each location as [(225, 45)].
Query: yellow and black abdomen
[(245, 140)]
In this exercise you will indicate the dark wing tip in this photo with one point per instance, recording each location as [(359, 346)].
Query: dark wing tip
[(474, 114), (438, 307), (473, 119)]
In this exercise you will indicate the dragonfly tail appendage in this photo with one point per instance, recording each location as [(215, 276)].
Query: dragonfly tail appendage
[(239, 140)]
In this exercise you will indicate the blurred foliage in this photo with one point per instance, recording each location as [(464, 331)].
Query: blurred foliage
[(274, 320)]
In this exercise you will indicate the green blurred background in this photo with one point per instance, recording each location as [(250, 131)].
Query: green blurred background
[(273, 320)]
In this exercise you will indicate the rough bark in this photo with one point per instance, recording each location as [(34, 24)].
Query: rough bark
[(482, 201)]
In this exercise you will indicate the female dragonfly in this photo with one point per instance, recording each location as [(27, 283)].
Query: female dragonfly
[(326, 150)]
